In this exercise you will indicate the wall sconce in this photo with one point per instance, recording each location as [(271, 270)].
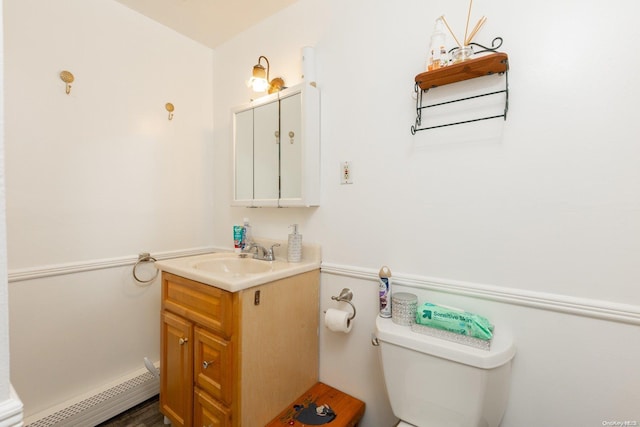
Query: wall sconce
[(169, 107), (259, 80), (67, 77)]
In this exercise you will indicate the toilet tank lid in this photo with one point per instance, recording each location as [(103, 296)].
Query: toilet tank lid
[(502, 346)]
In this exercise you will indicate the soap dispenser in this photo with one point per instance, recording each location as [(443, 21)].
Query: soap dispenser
[(294, 247), (247, 238)]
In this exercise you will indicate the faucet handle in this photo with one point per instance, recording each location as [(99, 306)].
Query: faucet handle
[(270, 256)]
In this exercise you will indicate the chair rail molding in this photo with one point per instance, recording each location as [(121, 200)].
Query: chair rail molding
[(598, 309), (37, 272)]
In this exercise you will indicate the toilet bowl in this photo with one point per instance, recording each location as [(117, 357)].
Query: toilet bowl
[(432, 382)]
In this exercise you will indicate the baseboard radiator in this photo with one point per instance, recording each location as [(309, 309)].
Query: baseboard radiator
[(96, 407)]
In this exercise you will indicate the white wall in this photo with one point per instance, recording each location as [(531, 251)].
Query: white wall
[(93, 179), (11, 407), (536, 216), (4, 319), (546, 201)]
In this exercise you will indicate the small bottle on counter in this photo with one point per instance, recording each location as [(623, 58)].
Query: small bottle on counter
[(384, 277), (247, 239), (294, 247)]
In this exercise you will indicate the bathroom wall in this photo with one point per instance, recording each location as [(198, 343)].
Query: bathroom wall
[(4, 319), (532, 221), (93, 179)]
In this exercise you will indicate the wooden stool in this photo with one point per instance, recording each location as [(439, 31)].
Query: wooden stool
[(348, 409)]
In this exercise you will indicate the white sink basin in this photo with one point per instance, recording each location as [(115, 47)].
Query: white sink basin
[(233, 266), (233, 272)]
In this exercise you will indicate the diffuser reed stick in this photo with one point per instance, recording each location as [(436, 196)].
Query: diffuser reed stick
[(449, 28), (475, 30), (466, 28)]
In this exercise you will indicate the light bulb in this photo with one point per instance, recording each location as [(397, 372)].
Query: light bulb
[(259, 85)]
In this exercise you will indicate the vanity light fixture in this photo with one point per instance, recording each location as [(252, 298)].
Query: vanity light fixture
[(169, 107), (67, 77), (260, 78)]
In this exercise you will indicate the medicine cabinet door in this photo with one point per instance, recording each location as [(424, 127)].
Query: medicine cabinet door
[(266, 154), (290, 148), (243, 157)]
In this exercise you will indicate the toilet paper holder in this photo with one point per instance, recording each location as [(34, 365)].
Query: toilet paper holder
[(346, 296)]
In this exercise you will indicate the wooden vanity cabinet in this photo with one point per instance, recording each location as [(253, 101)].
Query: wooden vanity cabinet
[(236, 359)]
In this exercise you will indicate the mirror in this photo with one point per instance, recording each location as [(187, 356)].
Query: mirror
[(266, 152), (243, 152), (290, 148)]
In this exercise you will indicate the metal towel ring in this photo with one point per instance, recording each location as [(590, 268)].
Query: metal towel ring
[(144, 257)]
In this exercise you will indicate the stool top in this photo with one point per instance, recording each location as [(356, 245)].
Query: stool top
[(348, 409)]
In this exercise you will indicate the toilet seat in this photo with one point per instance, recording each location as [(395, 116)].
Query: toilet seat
[(403, 424)]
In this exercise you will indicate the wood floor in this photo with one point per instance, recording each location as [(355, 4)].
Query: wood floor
[(146, 414)]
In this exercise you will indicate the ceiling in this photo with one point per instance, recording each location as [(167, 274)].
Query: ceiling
[(210, 22)]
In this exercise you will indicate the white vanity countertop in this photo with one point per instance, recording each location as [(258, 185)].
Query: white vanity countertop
[(227, 271)]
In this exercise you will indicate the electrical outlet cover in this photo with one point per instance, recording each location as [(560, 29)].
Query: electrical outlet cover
[(346, 175)]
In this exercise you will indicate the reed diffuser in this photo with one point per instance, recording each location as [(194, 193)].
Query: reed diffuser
[(464, 50)]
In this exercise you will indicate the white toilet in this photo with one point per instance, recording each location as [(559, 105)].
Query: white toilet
[(432, 382)]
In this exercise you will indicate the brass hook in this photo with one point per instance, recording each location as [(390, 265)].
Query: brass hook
[(67, 77), (169, 107)]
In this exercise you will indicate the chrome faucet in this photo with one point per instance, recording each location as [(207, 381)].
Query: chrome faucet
[(263, 253), (259, 249), (270, 255)]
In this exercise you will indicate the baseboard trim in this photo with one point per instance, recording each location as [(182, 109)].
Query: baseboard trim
[(38, 272), (11, 411), (598, 309), (100, 404)]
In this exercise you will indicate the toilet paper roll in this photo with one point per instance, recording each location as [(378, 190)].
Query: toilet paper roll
[(338, 320)]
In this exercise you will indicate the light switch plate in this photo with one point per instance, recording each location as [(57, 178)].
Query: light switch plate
[(346, 176)]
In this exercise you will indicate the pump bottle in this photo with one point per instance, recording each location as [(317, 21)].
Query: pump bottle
[(247, 238), (294, 245)]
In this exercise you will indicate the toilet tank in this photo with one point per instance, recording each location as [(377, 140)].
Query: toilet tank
[(432, 382)]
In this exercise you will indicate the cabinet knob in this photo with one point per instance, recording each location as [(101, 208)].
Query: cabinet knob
[(291, 135), (277, 135), (183, 341), (206, 364)]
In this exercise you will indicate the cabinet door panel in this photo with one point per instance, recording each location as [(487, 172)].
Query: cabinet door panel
[(176, 369), (243, 155), (213, 366), (266, 152), (202, 304), (209, 413), (291, 148)]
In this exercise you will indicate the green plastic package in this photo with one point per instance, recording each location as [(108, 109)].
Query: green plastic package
[(454, 320)]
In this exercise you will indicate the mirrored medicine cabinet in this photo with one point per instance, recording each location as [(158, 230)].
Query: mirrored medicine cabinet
[(276, 149)]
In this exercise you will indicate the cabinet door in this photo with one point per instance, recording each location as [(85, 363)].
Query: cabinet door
[(209, 413), (213, 366), (266, 152), (243, 156), (176, 370), (291, 148)]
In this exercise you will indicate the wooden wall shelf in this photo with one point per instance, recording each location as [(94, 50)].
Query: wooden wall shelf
[(493, 63)]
